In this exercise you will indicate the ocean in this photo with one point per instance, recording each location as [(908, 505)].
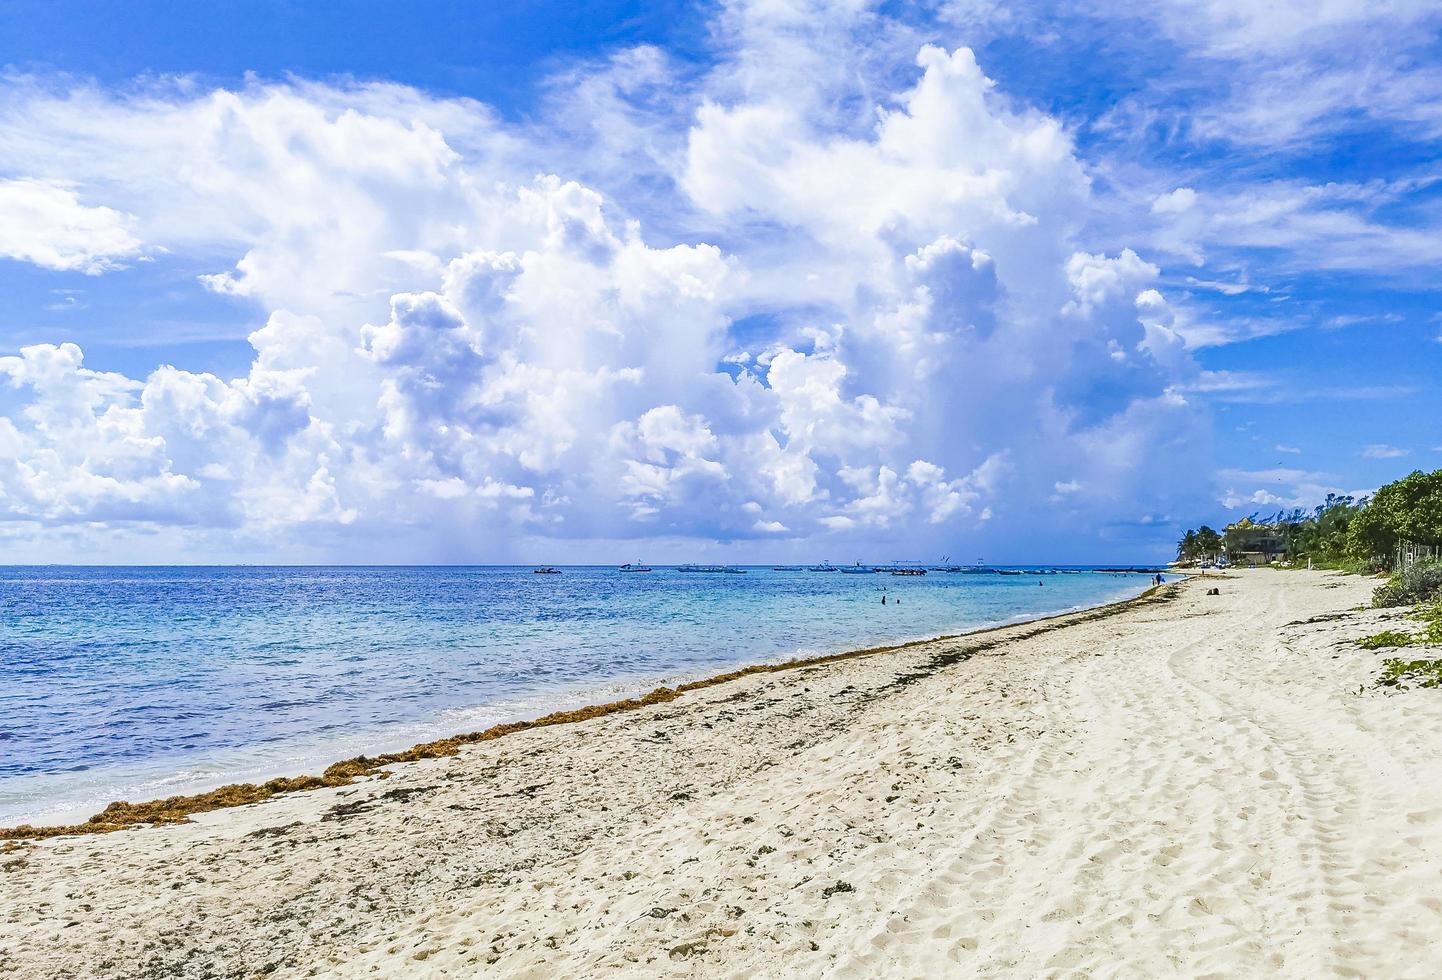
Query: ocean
[(140, 682)]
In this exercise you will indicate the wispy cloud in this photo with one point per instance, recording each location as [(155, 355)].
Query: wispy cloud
[(1260, 388), (1226, 288), (1381, 450), (66, 301), (1353, 319)]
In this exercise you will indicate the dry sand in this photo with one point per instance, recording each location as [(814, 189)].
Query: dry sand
[(1189, 786)]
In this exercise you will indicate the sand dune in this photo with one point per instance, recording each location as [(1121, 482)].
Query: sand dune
[(1189, 786)]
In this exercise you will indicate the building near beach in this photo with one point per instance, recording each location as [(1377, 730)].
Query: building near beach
[(1249, 543)]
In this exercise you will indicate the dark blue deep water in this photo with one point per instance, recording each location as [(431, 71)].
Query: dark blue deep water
[(141, 682)]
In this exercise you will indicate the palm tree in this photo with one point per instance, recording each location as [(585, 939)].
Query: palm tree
[(1187, 547)]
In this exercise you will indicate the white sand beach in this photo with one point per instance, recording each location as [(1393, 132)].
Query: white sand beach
[(1191, 785)]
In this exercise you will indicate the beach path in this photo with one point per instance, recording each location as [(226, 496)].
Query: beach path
[(1191, 785)]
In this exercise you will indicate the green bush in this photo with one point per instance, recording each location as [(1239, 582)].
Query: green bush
[(1422, 582)]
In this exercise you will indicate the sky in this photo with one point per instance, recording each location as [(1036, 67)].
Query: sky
[(745, 280)]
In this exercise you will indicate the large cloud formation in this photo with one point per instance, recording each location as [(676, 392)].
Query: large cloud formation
[(878, 323)]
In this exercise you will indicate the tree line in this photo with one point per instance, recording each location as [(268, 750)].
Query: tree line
[(1361, 534)]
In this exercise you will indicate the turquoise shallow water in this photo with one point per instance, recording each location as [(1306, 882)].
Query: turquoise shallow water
[(142, 682)]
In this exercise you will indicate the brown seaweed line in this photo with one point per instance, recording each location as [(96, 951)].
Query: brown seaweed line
[(121, 815)]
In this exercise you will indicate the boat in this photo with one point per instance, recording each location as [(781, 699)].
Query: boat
[(908, 571), (546, 570), (712, 569), (858, 569), (825, 566), (638, 567)]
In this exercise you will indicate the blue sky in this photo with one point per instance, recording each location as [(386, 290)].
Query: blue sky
[(494, 52), (755, 280)]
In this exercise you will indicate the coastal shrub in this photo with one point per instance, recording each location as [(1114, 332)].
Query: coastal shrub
[(1421, 582), (1402, 675), (1431, 614), (1388, 638)]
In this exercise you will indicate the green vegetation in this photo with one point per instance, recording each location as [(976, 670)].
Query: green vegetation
[(1388, 638), (1426, 673), (1200, 544), (1343, 532), (1408, 510), (1419, 582), (1324, 536), (1404, 674)]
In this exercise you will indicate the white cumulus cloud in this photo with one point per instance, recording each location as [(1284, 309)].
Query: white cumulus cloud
[(890, 326), (46, 224)]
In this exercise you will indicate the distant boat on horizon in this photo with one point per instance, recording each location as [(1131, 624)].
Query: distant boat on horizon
[(545, 570), (825, 566), (712, 569), (637, 567), (858, 569)]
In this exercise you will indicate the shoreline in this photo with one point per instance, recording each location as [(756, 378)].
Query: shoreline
[(1179, 784), (160, 811)]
